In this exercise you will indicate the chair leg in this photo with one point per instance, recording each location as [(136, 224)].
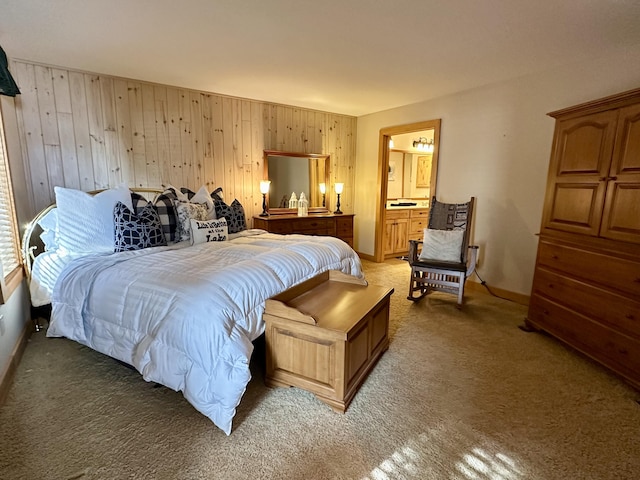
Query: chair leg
[(462, 279), (413, 287), (416, 285)]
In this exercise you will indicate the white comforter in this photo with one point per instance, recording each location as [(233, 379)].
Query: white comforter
[(186, 317)]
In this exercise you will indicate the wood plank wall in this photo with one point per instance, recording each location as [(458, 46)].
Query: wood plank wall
[(88, 131)]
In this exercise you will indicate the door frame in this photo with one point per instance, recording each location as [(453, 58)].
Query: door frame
[(383, 172)]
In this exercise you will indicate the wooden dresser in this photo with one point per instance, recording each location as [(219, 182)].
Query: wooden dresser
[(340, 226), (586, 286)]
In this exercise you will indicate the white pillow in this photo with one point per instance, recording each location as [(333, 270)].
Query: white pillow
[(203, 196), (442, 245), (85, 222), (209, 231), (49, 225)]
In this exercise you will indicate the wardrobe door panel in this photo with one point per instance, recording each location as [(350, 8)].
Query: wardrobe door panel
[(621, 220), (578, 173)]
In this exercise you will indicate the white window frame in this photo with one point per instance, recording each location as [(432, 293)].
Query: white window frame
[(11, 271)]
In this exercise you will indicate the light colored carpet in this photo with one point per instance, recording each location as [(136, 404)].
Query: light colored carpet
[(458, 395)]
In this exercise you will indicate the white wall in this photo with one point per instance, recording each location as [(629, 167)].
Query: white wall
[(495, 145), (15, 313)]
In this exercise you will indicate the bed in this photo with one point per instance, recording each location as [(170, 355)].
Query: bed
[(183, 314)]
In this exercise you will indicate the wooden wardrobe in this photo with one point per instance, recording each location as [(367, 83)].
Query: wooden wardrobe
[(586, 286)]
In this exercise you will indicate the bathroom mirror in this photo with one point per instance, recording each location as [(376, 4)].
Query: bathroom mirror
[(296, 172), (412, 165)]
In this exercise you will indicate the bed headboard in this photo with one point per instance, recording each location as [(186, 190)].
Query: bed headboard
[(32, 245)]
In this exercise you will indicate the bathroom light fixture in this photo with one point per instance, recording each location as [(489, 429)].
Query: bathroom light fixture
[(264, 189), (423, 145), (339, 187)]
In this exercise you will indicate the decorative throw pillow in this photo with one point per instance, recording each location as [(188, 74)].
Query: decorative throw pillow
[(442, 245), (186, 212), (138, 202), (181, 197), (217, 196), (187, 192), (234, 213), (136, 231), (208, 231), (85, 221), (166, 207), (201, 196)]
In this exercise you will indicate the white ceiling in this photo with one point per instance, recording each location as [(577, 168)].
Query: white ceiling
[(345, 56)]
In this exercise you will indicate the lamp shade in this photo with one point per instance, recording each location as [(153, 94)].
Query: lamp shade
[(323, 188), (264, 186), (339, 187)]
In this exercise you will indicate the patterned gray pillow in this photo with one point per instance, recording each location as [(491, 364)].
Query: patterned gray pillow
[(186, 212), (134, 232)]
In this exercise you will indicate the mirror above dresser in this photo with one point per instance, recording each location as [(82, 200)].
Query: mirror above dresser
[(293, 172), (302, 172)]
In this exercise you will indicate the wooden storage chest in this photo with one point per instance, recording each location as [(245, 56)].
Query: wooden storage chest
[(325, 336)]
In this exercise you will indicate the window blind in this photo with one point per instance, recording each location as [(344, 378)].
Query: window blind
[(9, 253)]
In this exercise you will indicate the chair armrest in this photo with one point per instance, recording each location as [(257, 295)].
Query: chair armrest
[(413, 251), (472, 261)]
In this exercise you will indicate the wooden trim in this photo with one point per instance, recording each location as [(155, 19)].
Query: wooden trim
[(411, 127), (605, 103), (279, 153), (366, 256), (10, 283), (518, 298), (383, 178), (8, 375)]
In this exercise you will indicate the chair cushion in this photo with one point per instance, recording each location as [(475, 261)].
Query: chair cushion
[(442, 245)]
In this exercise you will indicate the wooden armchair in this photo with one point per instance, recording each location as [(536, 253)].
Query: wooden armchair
[(444, 259)]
